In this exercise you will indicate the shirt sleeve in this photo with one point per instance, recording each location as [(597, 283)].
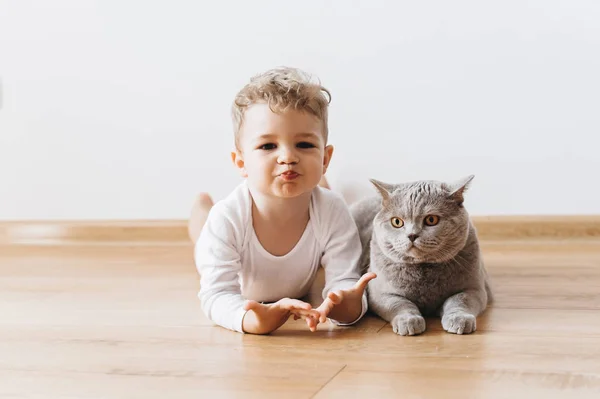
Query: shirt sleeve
[(218, 262), (342, 253)]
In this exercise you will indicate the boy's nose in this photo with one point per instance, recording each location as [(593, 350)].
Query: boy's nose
[(287, 157)]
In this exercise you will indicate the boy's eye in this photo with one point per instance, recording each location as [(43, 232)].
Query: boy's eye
[(268, 146), (306, 144)]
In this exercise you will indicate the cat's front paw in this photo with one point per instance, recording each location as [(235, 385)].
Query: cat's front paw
[(459, 323), (408, 324)]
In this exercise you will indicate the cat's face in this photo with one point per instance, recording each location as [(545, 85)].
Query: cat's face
[(422, 222)]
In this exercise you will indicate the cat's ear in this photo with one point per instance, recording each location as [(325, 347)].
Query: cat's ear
[(384, 189), (458, 188)]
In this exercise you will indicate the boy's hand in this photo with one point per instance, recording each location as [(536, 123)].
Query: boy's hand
[(343, 305), (265, 318)]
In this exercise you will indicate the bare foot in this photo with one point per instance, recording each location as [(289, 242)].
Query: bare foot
[(199, 214), (323, 183)]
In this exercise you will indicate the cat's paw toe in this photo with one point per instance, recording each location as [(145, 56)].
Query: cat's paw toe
[(459, 323), (408, 324)]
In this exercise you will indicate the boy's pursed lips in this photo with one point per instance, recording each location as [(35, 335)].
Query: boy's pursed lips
[(289, 174)]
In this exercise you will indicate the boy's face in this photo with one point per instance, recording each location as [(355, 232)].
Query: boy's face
[(281, 154)]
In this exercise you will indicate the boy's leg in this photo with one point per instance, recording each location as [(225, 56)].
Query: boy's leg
[(199, 215)]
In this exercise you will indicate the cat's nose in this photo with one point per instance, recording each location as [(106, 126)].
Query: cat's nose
[(413, 237)]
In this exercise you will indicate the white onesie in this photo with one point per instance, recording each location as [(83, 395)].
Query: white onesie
[(234, 266)]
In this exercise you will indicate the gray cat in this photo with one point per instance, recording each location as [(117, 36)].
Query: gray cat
[(419, 240)]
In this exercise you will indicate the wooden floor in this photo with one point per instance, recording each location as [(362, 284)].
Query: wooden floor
[(101, 321)]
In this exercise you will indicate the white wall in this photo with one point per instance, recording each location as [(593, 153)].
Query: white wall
[(120, 109)]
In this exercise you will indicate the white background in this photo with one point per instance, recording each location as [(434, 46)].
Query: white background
[(120, 109)]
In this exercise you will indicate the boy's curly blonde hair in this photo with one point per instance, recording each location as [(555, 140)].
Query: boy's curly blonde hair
[(282, 89)]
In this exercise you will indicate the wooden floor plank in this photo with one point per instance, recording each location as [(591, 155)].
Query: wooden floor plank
[(125, 321), (461, 384)]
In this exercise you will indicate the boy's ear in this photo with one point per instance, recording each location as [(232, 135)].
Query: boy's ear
[(238, 161), (327, 157)]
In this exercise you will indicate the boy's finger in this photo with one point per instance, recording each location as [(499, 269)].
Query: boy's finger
[(309, 323), (323, 317), (364, 280), (324, 310), (305, 313), (336, 297), (312, 323), (291, 304)]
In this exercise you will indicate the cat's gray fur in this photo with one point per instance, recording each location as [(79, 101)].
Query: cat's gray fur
[(443, 275)]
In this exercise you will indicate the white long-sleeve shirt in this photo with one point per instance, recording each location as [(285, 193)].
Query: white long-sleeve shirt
[(234, 266)]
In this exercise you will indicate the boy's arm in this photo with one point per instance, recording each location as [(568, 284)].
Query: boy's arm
[(341, 263), (218, 262)]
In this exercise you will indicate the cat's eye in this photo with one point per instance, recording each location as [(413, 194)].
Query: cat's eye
[(397, 222), (432, 220)]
